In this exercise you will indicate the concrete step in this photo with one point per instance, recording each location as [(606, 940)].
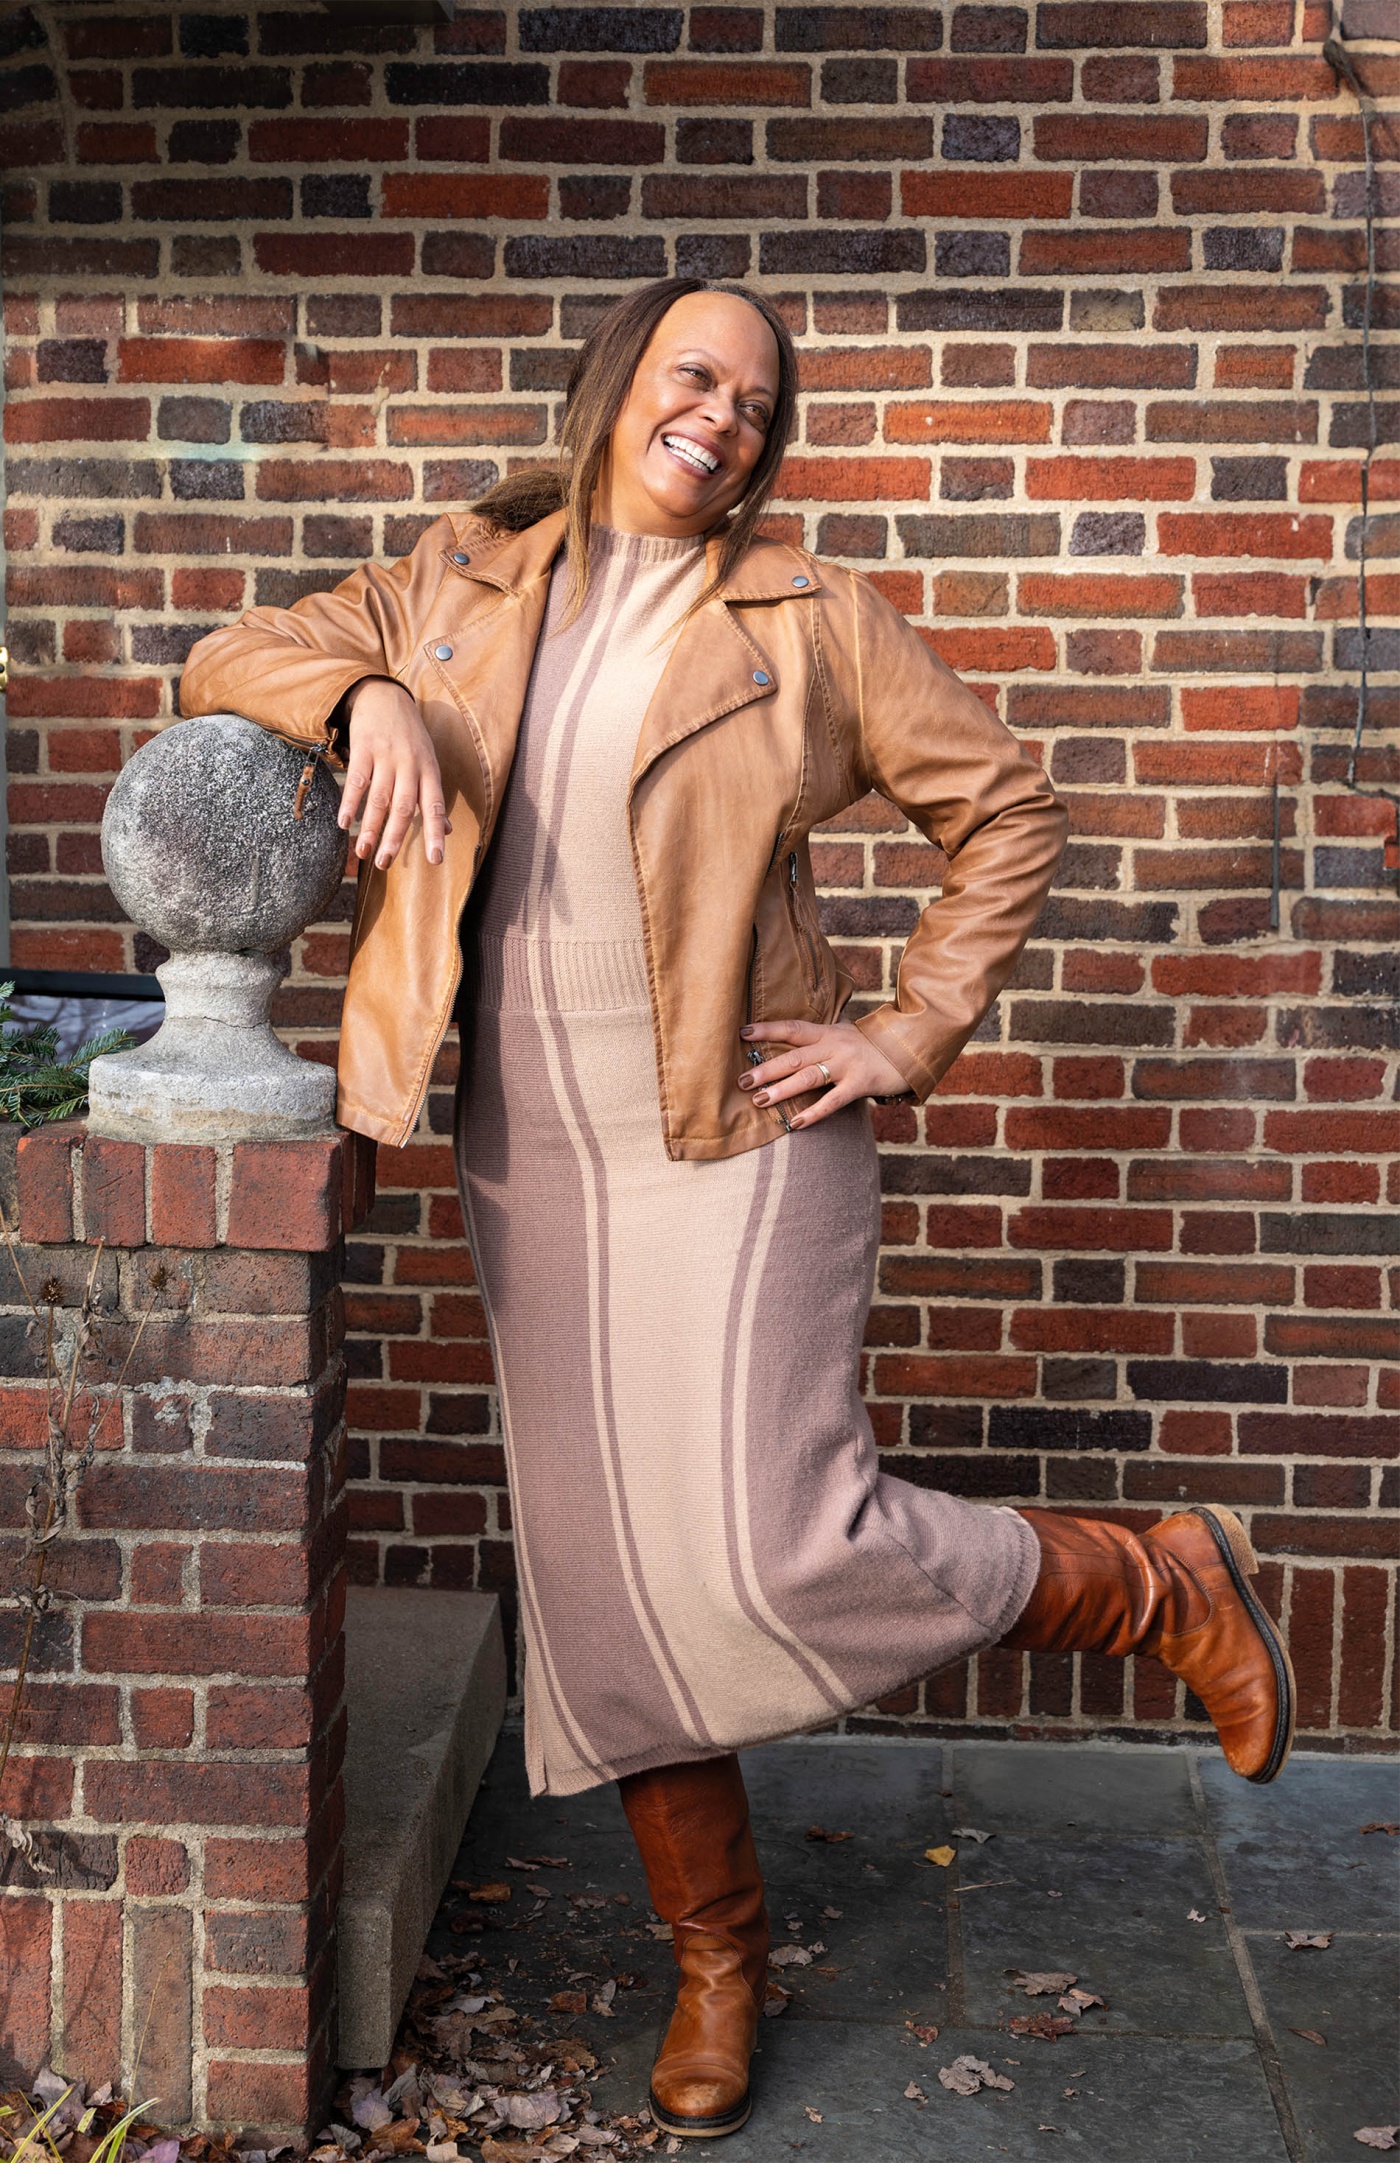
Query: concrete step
[(426, 1690)]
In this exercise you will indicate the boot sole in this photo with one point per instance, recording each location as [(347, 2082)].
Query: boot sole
[(1242, 1563), (701, 2128)]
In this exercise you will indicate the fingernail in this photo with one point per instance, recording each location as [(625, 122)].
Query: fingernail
[(344, 819), (793, 1124), (382, 861), (748, 1032), (435, 856), (746, 1081), (762, 1097)]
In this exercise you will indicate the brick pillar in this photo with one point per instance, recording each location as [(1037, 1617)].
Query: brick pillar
[(179, 1757)]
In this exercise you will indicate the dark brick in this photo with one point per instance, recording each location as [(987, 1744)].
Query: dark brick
[(1249, 480), (1018, 1426), (714, 142), (204, 142), (459, 255), (982, 138), (1108, 533), (971, 255), (206, 480), (194, 420), (1326, 1232), (335, 195), (857, 29), (1021, 308), (712, 255), (82, 477), (1234, 247), (852, 534), (1006, 533), (1207, 1381), (973, 480), (271, 420), (166, 644), (205, 37), (860, 82), (985, 1475), (908, 1173), (1090, 1283), (594, 256), (85, 202), (466, 82), (946, 1426), (989, 30), (584, 142), (72, 360), (95, 536), (1170, 24), (869, 142), (1078, 1380), (726, 29), (206, 88), (859, 253), (600, 30)]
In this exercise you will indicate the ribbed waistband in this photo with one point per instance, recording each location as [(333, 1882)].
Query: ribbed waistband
[(560, 976)]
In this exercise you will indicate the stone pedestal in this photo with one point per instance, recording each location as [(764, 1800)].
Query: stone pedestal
[(221, 843)]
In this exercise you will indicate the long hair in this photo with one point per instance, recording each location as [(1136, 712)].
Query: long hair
[(599, 381)]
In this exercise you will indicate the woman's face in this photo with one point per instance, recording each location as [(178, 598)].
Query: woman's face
[(693, 424)]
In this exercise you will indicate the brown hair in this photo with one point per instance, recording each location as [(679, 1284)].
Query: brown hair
[(598, 385)]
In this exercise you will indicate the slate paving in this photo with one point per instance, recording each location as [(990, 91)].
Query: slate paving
[(1152, 1874)]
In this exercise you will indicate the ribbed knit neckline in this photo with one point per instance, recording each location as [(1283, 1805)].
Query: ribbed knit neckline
[(644, 547)]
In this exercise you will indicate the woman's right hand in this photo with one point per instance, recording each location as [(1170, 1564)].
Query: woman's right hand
[(392, 774)]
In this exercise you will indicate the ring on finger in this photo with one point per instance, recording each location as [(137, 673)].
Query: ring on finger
[(825, 1072)]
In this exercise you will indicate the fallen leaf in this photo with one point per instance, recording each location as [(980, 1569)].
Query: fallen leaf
[(1041, 1983), (442, 2151), (814, 2115), (492, 1895), (833, 1915), (941, 1856), (1310, 2035), (925, 2035), (1068, 2093), (1048, 2027), (819, 1832), (528, 2112), (790, 1956), (1193, 1915), (578, 1900), (568, 2001), (970, 1832), (1079, 2001), (371, 2111), (967, 2074), (775, 2000), (1381, 1825), (660, 1930), (915, 2094), (602, 2002), (537, 1862), (1376, 2136), (1296, 1940)]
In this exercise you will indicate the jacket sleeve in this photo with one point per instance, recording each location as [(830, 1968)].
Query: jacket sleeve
[(289, 668), (932, 748)]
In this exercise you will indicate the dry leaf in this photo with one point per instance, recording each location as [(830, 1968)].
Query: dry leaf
[(967, 2074), (1376, 2136), (1296, 1940), (1194, 1915), (1048, 2027), (833, 1915), (1381, 1825), (915, 2094), (1310, 2035), (529, 2112), (925, 2035), (371, 2111), (814, 2115), (1041, 1983), (790, 1956), (1079, 2001), (941, 1856), (819, 1832), (492, 1895), (537, 1862), (776, 2000), (660, 1930), (970, 1832), (568, 2001)]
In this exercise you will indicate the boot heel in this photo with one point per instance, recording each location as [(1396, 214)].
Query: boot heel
[(1245, 1559)]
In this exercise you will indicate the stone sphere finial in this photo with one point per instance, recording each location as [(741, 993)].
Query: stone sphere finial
[(204, 849)]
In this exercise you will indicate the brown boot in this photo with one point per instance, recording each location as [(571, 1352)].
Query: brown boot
[(1180, 1592), (691, 1824)]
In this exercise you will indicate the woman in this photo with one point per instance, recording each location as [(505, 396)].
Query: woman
[(634, 710)]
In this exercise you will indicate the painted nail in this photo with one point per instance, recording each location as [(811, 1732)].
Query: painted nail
[(762, 1097), (435, 856)]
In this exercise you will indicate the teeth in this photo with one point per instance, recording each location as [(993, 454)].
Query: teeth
[(691, 452)]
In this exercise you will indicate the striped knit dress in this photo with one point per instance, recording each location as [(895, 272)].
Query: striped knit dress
[(709, 1554)]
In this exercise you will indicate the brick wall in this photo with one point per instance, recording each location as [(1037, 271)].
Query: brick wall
[(1080, 293), (178, 1756)]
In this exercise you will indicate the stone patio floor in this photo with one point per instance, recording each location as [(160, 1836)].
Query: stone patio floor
[(1152, 1874)]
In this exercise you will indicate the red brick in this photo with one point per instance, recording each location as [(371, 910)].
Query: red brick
[(243, 2091), (77, 420), (968, 1375), (182, 1196), (285, 1195), (270, 2017), (465, 195), (25, 1952), (1364, 1602), (853, 480), (948, 193), (728, 82), (155, 1865), (162, 1719), (45, 1178), (1111, 480), (1091, 1230), (1005, 420), (116, 1643)]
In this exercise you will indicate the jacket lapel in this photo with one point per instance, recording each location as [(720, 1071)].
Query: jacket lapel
[(717, 664)]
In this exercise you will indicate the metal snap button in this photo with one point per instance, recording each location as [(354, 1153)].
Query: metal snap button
[(458, 557), (802, 582), (442, 653), (760, 675)]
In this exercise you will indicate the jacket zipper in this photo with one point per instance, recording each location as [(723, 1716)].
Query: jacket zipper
[(803, 934)]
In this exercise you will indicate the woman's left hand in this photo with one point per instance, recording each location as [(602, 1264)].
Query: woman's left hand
[(833, 1052)]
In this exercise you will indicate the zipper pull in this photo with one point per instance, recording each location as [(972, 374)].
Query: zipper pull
[(792, 870), (308, 775)]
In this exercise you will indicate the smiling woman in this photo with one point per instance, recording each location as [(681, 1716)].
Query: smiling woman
[(636, 710)]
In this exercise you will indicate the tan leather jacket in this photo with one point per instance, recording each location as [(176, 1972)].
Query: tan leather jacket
[(785, 699)]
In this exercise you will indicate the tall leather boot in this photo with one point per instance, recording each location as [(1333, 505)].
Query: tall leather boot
[(691, 1824), (1181, 1592)]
